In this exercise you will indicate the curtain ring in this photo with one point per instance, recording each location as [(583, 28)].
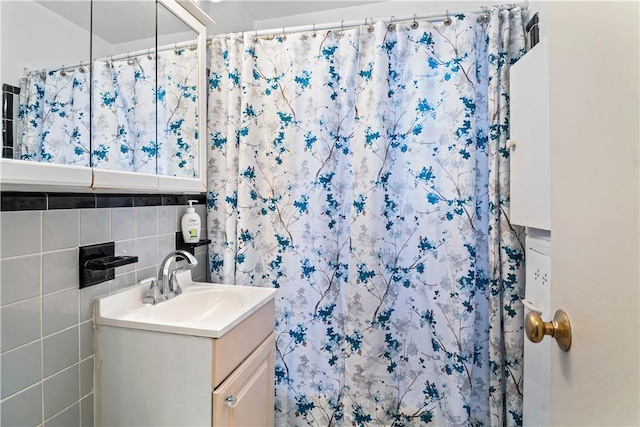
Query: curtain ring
[(414, 24), (391, 26), (370, 27), (149, 56), (284, 35), (447, 21), (129, 60), (255, 36), (341, 29), (175, 49), (313, 31), (482, 14), (62, 71), (81, 67)]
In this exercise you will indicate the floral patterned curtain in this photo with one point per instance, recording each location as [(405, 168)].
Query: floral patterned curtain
[(505, 45), (53, 117), (124, 120), (124, 133), (364, 173), (177, 96)]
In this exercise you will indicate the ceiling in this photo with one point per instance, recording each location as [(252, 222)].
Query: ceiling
[(240, 15), (118, 21)]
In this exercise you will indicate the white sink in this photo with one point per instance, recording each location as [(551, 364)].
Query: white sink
[(203, 309)]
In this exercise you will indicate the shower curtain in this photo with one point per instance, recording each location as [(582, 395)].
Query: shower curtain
[(53, 119), (125, 115), (363, 172), (54, 114), (177, 96), (124, 132)]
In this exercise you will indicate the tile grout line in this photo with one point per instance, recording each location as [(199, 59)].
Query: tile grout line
[(78, 315), (41, 382), (82, 360), (12, 395), (75, 402)]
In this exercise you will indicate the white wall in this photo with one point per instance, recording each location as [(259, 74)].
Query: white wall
[(377, 11), (33, 37), (146, 44)]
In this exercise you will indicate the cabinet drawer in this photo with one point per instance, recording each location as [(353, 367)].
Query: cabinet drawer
[(246, 398), (234, 346)]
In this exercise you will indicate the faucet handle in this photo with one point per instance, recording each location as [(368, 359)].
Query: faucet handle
[(174, 286), (150, 280), (154, 295)]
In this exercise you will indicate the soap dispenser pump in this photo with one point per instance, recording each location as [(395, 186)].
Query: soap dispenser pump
[(191, 224)]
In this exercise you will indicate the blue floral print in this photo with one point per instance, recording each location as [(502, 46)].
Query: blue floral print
[(364, 174)]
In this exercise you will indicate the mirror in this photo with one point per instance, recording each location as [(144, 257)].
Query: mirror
[(124, 86), (46, 78), (178, 79), (141, 83)]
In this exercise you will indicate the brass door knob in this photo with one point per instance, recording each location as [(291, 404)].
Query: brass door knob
[(559, 328)]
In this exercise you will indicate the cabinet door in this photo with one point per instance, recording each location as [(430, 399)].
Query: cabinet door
[(529, 140), (246, 398)]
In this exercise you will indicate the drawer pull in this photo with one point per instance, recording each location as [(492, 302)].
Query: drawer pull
[(230, 401)]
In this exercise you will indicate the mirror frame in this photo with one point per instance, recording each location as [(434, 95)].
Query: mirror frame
[(15, 174), (189, 12)]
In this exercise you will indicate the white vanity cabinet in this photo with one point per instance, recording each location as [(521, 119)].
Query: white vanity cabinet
[(529, 142), (246, 398), (151, 378)]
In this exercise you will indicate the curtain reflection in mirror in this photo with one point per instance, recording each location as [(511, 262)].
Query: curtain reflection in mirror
[(178, 112), (124, 134), (54, 117), (54, 114)]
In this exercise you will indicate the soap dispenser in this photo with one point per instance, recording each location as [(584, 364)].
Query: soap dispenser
[(191, 224)]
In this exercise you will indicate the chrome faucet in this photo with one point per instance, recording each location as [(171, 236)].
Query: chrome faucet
[(166, 286)]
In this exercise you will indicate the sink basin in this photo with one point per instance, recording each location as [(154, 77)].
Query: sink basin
[(203, 309), (198, 303)]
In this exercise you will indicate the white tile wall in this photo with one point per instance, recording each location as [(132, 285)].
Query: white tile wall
[(46, 341), (21, 233), (21, 368), (147, 221), (60, 229), (23, 408), (20, 278)]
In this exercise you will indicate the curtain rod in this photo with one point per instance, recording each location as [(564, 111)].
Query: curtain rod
[(188, 44), (370, 21)]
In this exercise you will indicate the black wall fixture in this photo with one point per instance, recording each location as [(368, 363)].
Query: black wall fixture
[(189, 247), (98, 263)]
